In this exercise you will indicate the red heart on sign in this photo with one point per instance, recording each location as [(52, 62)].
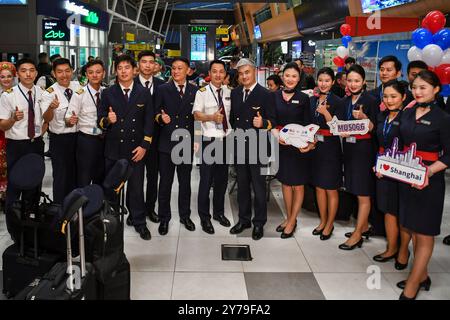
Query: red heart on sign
[(386, 167)]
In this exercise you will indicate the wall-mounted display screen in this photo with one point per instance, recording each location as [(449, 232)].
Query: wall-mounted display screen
[(257, 32), (198, 47), (374, 5), (14, 2)]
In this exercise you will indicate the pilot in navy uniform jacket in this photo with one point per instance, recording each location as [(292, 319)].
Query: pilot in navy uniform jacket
[(134, 126)]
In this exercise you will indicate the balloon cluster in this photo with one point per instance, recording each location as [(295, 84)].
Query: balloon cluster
[(343, 51), (432, 46)]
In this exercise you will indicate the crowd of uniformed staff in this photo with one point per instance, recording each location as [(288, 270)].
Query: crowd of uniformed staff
[(91, 127)]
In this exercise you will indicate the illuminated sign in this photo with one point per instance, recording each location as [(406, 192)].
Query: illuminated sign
[(72, 7), (55, 30), (198, 29), (222, 31)]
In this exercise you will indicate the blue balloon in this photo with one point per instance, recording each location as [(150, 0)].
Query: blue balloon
[(442, 38), (445, 92), (422, 37), (346, 40), (340, 69)]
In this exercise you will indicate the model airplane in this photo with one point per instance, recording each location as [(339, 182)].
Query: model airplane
[(298, 135)]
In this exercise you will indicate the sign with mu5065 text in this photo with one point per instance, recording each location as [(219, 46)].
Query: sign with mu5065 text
[(55, 30)]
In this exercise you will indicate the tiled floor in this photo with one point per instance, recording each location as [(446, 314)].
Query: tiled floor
[(188, 265)]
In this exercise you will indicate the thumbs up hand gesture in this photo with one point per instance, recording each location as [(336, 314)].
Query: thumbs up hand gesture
[(18, 115), (73, 120), (258, 120), (112, 118), (218, 116), (165, 117), (55, 103)]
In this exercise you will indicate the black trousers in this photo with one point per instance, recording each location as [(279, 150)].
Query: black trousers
[(250, 175), (151, 167), (212, 174), (135, 191), (90, 159), (62, 149), (16, 149), (167, 172)]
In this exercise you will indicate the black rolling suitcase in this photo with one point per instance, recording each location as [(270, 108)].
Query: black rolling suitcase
[(68, 280), (117, 286)]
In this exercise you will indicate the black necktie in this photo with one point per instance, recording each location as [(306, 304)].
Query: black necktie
[(31, 129), (147, 83), (126, 94), (97, 99), (68, 94), (181, 90), (246, 94), (222, 108)]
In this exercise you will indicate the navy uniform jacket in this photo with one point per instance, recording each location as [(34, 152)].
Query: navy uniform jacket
[(156, 83), (242, 113), (180, 112), (134, 126)]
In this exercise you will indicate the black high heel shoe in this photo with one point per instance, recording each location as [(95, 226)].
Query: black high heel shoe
[(402, 266), (345, 246), (380, 258), (317, 232), (324, 236), (425, 284), (367, 234), (288, 235), (280, 228)]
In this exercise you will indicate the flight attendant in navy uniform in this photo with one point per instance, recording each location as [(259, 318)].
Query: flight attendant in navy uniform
[(174, 102), (147, 63), (82, 113), (421, 208), (251, 109), (212, 107), (387, 199), (326, 159), (55, 104), (359, 153), (292, 107), (21, 119), (126, 115)]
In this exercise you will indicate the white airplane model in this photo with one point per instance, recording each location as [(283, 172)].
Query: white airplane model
[(298, 135)]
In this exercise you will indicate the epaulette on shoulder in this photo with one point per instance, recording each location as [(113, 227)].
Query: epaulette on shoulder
[(230, 88), (202, 89), (9, 90), (80, 91), (50, 90)]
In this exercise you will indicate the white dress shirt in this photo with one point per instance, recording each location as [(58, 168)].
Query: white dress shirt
[(129, 92), (150, 85), (251, 89)]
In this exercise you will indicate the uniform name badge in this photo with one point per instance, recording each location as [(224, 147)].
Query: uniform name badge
[(320, 138), (37, 130), (94, 130), (350, 139)]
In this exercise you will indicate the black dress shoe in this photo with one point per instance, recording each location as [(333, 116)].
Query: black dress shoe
[(380, 258), (367, 234), (163, 228), (153, 216), (402, 266), (258, 233), (425, 284), (324, 236), (317, 232), (207, 226), (222, 220), (239, 227), (447, 240), (129, 221), (345, 246), (280, 228), (188, 224), (143, 232)]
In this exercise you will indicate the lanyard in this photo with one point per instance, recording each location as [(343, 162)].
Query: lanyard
[(387, 128), (317, 114), (26, 98), (215, 98), (92, 97)]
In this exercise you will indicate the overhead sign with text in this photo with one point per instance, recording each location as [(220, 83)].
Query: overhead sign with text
[(55, 30), (402, 166), (351, 127), (298, 135)]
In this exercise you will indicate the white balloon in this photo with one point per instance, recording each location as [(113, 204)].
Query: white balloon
[(446, 57), (414, 54), (432, 55), (342, 52)]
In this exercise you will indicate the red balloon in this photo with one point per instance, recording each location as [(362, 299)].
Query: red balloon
[(443, 72), (434, 21), (338, 61), (346, 29)]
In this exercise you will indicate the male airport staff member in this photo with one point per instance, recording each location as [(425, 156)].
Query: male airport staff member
[(147, 63), (21, 119), (212, 107), (55, 104), (251, 109), (126, 115), (174, 102), (82, 113)]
